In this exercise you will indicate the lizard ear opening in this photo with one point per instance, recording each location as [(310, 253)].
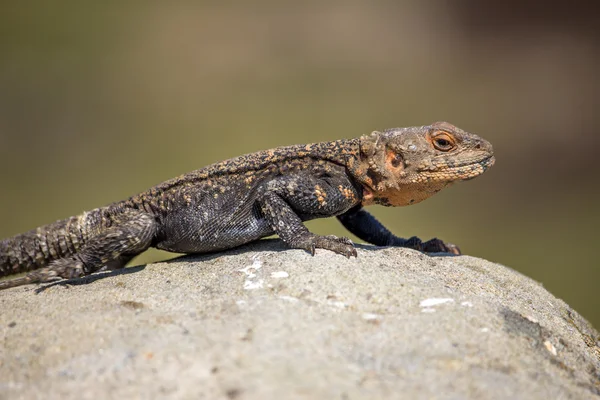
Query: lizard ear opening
[(394, 159), (394, 165)]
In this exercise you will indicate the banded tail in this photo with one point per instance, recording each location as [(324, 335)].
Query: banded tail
[(39, 247), (77, 246)]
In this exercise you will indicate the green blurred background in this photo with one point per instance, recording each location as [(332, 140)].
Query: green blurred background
[(100, 100)]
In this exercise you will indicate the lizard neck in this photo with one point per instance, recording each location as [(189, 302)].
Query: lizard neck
[(403, 195)]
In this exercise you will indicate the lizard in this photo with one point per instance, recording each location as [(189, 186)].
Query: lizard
[(243, 199)]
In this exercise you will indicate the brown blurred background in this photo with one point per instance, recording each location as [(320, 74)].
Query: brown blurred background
[(100, 100)]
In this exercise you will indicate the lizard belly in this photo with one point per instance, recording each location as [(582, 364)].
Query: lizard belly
[(187, 232)]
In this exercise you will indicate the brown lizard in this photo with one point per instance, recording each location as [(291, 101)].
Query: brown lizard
[(252, 196)]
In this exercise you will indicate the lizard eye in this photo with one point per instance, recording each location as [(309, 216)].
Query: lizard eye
[(396, 160), (443, 142)]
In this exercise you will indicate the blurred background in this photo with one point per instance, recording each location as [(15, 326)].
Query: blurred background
[(100, 100)]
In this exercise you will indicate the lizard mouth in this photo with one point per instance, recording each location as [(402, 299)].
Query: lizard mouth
[(480, 167), (460, 172)]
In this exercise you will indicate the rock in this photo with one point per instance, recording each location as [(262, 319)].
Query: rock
[(264, 322)]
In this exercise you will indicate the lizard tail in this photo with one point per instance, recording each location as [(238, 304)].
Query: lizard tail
[(39, 247)]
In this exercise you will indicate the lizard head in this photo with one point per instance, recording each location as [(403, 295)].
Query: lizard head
[(403, 166)]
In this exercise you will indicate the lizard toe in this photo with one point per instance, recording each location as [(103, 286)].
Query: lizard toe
[(453, 249), (438, 246), (413, 243), (67, 268), (312, 249), (339, 245)]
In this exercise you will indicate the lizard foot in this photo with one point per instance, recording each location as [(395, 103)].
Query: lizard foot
[(431, 246), (437, 246), (67, 268), (339, 245)]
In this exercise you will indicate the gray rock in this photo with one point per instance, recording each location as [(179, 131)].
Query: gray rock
[(263, 322)]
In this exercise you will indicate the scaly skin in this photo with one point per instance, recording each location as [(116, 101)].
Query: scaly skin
[(249, 197)]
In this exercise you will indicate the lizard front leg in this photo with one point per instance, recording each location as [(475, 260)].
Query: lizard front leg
[(362, 224), (129, 234), (288, 198)]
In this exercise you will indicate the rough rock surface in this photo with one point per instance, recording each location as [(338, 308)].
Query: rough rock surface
[(263, 322)]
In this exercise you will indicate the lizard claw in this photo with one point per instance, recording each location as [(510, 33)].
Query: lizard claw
[(339, 245), (431, 246), (437, 246), (453, 249)]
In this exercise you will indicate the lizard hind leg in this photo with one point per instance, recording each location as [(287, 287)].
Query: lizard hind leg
[(130, 233)]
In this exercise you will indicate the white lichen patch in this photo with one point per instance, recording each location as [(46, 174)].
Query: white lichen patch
[(532, 319), (550, 347), (279, 274), (432, 302), (337, 304), (251, 273), (251, 270), (289, 298), (251, 285), (371, 317)]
